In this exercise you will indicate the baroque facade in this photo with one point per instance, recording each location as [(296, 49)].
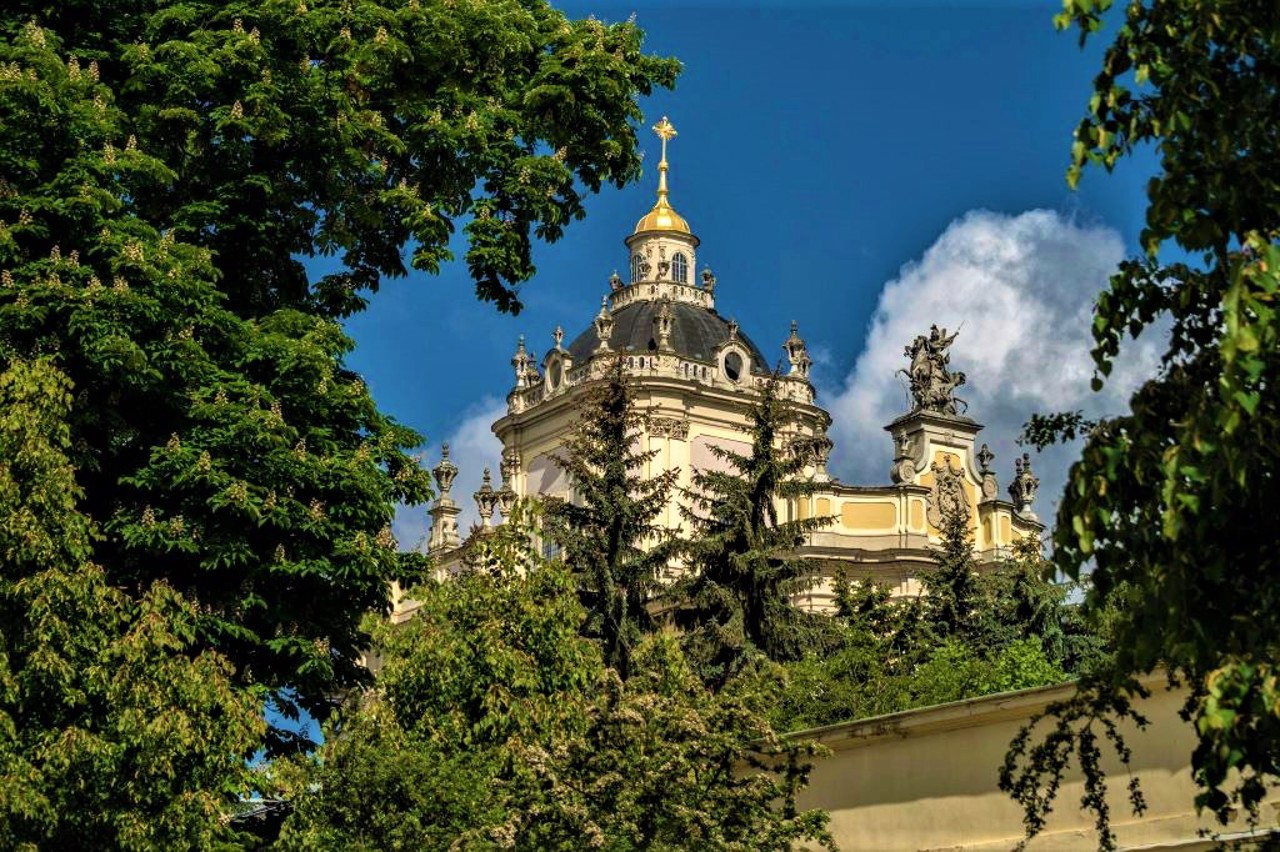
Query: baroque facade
[(697, 374)]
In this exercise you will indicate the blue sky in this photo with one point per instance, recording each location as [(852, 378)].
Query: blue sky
[(857, 167)]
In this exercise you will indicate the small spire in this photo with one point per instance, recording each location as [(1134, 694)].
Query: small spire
[(663, 216), (486, 500), (558, 337), (604, 325), (445, 471), (665, 132), (797, 353)]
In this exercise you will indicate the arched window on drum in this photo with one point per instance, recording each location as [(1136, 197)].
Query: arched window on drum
[(680, 268), (635, 267)]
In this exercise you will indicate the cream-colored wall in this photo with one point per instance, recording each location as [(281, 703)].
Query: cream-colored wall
[(926, 780)]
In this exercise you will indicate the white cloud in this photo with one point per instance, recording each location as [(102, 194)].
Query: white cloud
[(472, 447), (1021, 291)]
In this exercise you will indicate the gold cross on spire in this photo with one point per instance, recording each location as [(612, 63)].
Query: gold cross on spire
[(665, 131)]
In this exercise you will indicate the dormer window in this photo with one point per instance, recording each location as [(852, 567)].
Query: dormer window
[(635, 267), (733, 367), (680, 268)]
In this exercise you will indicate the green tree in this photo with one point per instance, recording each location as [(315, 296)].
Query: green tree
[(167, 172), (951, 589), (734, 600), (497, 724), (1172, 503), (609, 531), (234, 458), (352, 128), (116, 731)]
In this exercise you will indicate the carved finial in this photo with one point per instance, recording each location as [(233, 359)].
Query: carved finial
[(985, 457), (932, 382), (708, 281), (445, 471), (444, 512), (604, 324), (558, 336), (486, 499), (615, 281), (1024, 486), (520, 362), (733, 329), (797, 353)]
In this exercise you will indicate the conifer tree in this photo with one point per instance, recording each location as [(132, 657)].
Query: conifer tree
[(951, 588), (609, 531), (734, 602)]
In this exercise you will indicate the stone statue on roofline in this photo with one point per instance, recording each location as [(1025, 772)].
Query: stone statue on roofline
[(933, 384)]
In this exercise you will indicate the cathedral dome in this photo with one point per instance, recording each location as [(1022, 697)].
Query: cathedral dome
[(663, 217), (696, 334)]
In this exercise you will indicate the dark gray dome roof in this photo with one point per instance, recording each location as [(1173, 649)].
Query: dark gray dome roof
[(695, 333)]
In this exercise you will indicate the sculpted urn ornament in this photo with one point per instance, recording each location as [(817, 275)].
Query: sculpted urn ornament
[(932, 383), (1024, 486)]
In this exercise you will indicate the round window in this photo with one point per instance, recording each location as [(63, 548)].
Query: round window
[(733, 366)]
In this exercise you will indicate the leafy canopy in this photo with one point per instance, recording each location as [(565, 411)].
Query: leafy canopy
[(1172, 503), (354, 128), (171, 175), (497, 725), (115, 730)]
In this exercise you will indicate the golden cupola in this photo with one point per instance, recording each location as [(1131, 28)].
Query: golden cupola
[(663, 217)]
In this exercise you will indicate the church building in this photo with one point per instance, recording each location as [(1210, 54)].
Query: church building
[(696, 374)]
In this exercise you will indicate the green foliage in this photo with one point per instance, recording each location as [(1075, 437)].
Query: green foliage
[(116, 731), (496, 725), (951, 588), (734, 602), (1172, 503), (356, 128), (166, 169), (609, 532), (235, 459), (970, 635)]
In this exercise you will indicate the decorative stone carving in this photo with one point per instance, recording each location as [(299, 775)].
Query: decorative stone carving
[(558, 337), (990, 488), (662, 324), (813, 450), (733, 329), (615, 282), (985, 457), (1024, 486), (669, 427), (932, 383), (444, 511), (708, 281), (604, 325), (444, 472), (904, 463), (521, 362), (797, 353), (947, 498), (486, 500)]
